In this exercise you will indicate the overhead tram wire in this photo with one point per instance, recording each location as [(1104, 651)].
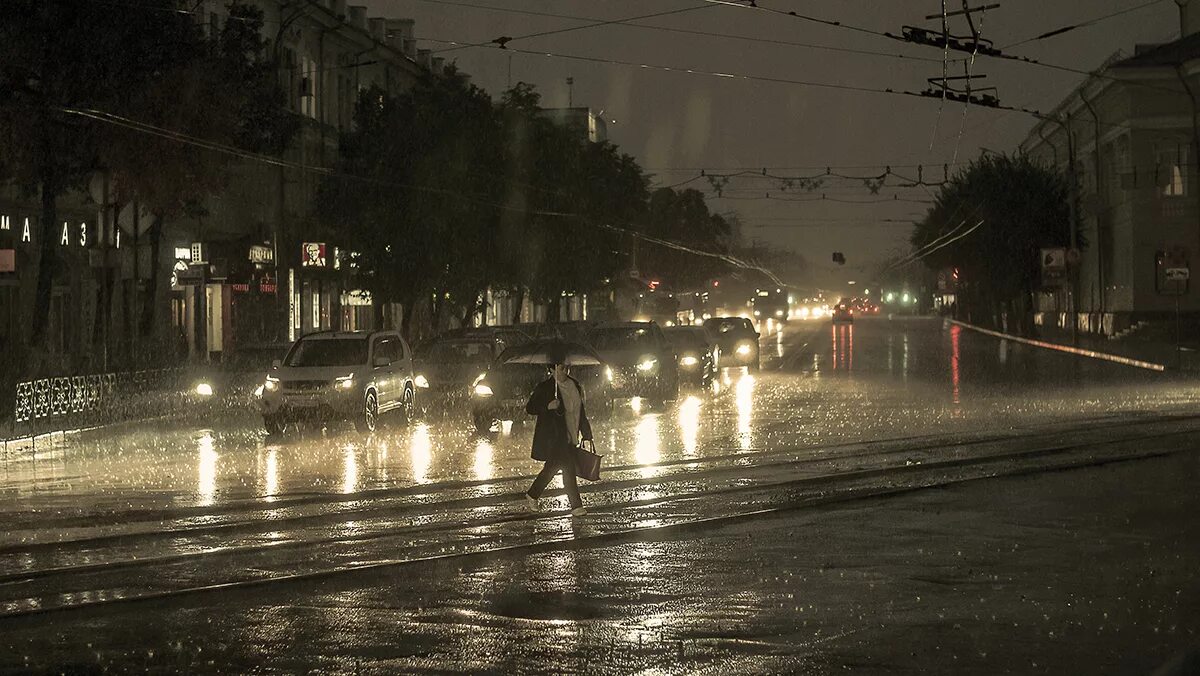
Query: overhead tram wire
[(1005, 57), (180, 137), (688, 31), (503, 41), (707, 73), (1083, 24)]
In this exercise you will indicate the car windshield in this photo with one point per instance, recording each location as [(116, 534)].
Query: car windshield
[(457, 353), (686, 337), (328, 352), (620, 337), (731, 324)]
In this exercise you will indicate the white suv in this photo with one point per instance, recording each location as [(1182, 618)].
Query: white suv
[(340, 375)]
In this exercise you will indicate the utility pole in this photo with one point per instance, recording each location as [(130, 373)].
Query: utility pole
[(570, 92)]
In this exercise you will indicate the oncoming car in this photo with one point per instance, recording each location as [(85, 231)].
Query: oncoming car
[(696, 352), (336, 375), (737, 340), (642, 360)]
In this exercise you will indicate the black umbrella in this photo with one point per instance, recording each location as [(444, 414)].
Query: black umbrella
[(553, 351)]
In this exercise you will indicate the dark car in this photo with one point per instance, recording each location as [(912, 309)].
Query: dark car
[(842, 312), (696, 352), (502, 392), (234, 382), (508, 335), (736, 339), (642, 359), (446, 368)]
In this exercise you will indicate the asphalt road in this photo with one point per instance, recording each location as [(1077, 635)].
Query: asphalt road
[(395, 552)]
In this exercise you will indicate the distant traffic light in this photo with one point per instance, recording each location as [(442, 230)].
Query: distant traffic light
[(839, 258)]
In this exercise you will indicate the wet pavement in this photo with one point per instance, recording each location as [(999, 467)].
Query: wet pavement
[(449, 573)]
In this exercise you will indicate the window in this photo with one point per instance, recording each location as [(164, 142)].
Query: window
[(306, 87), (388, 348), (1171, 170)]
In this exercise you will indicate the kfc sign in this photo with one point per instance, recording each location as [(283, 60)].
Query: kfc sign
[(313, 255)]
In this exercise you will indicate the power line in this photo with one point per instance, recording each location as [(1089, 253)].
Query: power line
[(686, 31), (180, 137), (1083, 24), (729, 76), (503, 41)]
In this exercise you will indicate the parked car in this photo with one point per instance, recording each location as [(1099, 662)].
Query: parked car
[(446, 369), (336, 375), (697, 353), (641, 358), (843, 313), (502, 392), (736, 339)]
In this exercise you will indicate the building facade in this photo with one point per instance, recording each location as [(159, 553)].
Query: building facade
[(258, 266), (1127, 140)]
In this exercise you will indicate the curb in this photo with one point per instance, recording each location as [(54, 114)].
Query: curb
[(1115, 358)]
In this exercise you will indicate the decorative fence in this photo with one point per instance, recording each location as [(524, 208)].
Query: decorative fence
[(69, 402)]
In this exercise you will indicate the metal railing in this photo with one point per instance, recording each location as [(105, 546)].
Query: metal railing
[(70, 402)]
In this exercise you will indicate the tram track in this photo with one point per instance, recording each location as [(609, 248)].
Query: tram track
[(723, 494)]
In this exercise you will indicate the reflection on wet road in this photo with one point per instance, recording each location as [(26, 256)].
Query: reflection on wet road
[(820, 383)]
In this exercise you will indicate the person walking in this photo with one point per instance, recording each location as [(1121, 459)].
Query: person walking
[(558, 403)]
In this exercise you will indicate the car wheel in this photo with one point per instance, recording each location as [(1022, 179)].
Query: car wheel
[(273, 424), (408, 405), (368, 418)]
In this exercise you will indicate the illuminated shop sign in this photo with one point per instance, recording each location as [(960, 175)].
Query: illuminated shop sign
[(313, 255), (262, 254), (70, 234)]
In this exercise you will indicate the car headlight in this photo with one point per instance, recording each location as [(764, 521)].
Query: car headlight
[(344, 382), (647, 364), (757, 313), (688, 361), (482, 390), (779, 313), (258, 391), (608, 373), (271, 384), (204, 390), (421, 381), (743, 349)]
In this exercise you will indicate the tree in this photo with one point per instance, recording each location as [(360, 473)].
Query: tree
[(419, 190), (150, 63), (1019, 206), (567, 189), (683, 217)]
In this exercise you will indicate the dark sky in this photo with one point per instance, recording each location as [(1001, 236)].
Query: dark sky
[(675, 123)]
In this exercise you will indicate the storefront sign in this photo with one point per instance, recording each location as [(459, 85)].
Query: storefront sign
[(313, 255), (261, 254), (183, 253)]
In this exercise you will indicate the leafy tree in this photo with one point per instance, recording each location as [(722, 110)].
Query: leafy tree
[(1021, 206), (683, 217), (150, 63), (568, 189), (419, 192)]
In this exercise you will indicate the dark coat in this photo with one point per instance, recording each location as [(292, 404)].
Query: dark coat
[(550, 433)]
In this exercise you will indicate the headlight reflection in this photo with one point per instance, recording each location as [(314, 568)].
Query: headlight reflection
[(689, 424), (422, 453)]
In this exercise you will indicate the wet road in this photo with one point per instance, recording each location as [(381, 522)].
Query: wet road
[(150, 510), (819, 384)]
